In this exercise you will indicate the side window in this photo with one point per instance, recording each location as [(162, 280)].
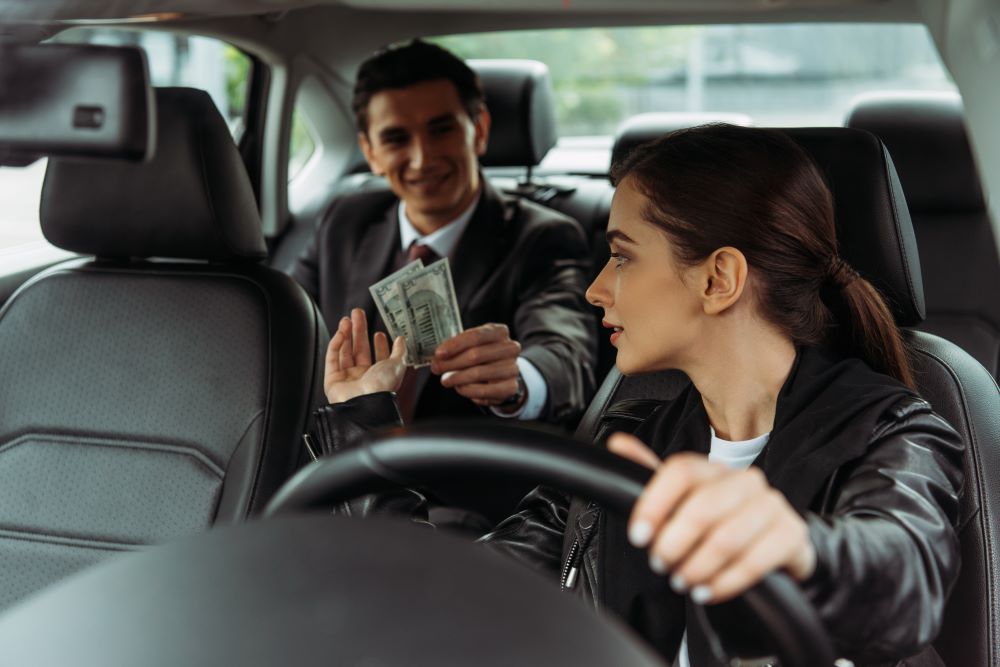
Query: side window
[(174, 60), (302, 145)]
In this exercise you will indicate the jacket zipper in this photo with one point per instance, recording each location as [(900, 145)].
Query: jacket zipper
[(570, 570)]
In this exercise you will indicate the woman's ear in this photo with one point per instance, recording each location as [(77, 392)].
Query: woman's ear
[(725, 279)]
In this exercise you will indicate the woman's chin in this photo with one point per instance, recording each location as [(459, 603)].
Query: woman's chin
[(630, 366), (627, 366)]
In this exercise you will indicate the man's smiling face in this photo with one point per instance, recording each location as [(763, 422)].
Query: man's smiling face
[(423, 141)]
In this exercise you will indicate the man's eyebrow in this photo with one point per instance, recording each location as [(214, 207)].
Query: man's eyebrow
[(618, 235), (392, 131), (442, 119)]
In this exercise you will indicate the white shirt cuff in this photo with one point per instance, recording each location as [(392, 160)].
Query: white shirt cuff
[(538, 393)]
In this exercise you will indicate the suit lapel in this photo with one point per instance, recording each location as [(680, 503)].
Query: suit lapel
[(482, 245), (380, 239)]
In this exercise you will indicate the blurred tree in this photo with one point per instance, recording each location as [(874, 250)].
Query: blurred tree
[(237, 76), (589, 67)]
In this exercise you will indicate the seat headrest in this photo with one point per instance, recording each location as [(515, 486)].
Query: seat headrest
[(521, 104), (925, 134), (874, 231), (644, 127), (192, 200)]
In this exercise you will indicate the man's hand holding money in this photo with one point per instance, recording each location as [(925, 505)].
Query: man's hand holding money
[(481, 364)]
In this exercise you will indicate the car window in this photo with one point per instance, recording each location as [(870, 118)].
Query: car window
[(174, 60), (778, 75), (302, 144)]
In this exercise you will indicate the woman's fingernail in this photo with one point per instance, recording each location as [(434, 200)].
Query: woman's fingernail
[(446, 375), (657, 565), (639, 533), (678, 584), (701, 594)]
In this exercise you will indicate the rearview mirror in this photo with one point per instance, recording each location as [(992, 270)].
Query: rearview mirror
[(74, 100)]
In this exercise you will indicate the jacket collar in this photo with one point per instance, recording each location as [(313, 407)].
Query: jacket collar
[(826, 412)]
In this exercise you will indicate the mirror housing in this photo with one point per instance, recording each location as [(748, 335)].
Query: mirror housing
[(74, 100)]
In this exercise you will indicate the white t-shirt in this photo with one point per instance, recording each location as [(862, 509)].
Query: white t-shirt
[(738, 455)]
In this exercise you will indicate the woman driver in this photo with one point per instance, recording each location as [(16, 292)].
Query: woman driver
[(798, 444)]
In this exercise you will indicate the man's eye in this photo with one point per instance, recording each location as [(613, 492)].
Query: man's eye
[(394, 139), (442, 129)]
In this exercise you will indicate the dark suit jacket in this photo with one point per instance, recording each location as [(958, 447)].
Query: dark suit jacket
[(517, 263)]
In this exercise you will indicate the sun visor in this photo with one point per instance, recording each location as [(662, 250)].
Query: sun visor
[(74, 100)]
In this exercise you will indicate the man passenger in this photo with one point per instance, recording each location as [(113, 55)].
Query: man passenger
[(520, 270)]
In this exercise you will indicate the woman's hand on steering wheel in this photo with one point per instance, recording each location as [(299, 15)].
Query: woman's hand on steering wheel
[(718, 531), (349, 369)]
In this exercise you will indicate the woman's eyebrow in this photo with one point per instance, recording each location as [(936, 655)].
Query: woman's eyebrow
[(618, 235)]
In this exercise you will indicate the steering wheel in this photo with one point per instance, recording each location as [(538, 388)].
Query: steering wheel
[(420, 457)]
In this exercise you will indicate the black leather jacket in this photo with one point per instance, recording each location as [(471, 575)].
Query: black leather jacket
[(882, 527)]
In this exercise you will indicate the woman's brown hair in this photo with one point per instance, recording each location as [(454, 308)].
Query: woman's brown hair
[(758, 191)]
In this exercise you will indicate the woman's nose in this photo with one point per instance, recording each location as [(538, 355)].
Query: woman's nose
[(598, 293)]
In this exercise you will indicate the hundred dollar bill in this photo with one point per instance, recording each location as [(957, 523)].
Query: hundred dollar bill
[(392, 306), (432, 308)]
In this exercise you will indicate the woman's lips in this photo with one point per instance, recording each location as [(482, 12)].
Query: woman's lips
[(617, 330)]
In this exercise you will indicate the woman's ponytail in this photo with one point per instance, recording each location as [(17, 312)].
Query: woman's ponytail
[(865, 323)]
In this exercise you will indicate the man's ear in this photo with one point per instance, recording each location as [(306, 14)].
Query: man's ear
[(366, 149), (482, 129), (724, 279)]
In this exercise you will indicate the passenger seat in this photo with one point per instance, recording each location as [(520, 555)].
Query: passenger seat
[(925, 134), (161, 385)]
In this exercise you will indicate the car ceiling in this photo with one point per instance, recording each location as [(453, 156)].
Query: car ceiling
[(52, 11)]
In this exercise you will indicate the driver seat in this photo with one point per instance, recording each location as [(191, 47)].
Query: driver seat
[(876, 237)]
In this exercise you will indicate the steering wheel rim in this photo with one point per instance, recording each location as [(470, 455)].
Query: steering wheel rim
[(418, 457)]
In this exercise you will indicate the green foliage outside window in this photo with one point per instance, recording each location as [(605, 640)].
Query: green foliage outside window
[(302, 145), (588, 67), (237, 76)]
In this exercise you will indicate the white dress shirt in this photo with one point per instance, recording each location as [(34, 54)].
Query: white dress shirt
[(443, 242)]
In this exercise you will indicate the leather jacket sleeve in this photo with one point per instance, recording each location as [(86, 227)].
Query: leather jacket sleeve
[(534, 533), (341, 426), (887, 552)]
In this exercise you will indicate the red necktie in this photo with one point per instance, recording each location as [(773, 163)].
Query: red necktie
[(407, 394)]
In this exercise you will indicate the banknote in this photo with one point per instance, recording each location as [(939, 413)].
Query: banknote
[(392, 306), (432, 309)]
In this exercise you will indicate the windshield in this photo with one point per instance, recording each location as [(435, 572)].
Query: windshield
[(773, 75)]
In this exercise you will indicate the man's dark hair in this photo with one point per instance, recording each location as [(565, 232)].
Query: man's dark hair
[(402, 65)]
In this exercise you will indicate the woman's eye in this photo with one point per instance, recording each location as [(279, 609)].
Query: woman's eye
[(619, 260)]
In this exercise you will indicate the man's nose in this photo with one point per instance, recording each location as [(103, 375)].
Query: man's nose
[(598, 294), (419, 153)]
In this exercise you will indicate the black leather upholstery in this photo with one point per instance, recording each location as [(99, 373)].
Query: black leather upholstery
[(959, 388), (964, 393), (143, 400), (641, 128), (925, 133), (519, 97), (192, 200)]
